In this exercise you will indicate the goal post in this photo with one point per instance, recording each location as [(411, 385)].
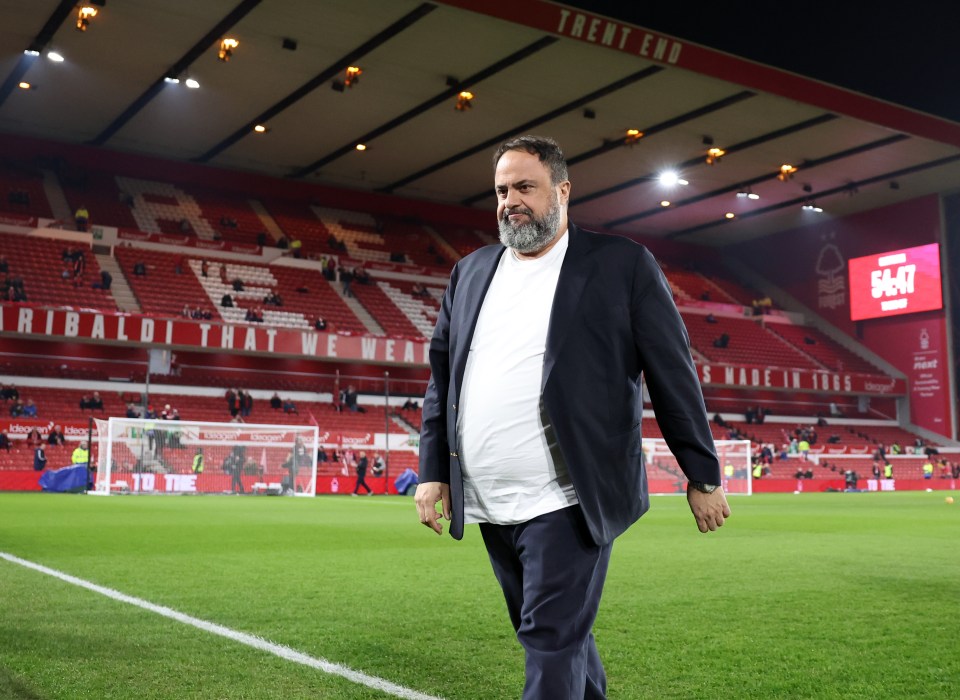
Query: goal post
[(664, 475), (137, 455)]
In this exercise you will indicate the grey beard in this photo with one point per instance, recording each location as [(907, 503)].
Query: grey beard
[(533, 236)]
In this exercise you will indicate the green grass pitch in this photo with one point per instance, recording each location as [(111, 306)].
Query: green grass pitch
[(809, 596)]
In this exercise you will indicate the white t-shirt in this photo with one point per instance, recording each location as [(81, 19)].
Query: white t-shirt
[(509, 472)]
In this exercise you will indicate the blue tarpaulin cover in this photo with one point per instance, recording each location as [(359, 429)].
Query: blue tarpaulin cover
[(72, 478), (407, 479)]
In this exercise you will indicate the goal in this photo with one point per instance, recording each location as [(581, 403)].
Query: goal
[(665, 476), (187, 457)]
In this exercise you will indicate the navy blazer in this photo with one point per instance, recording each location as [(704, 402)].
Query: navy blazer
[(613, 317)]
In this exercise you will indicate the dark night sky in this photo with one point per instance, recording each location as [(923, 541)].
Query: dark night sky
[(910, 58)]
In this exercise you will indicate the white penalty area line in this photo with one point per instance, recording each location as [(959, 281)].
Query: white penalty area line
[(250, 640)]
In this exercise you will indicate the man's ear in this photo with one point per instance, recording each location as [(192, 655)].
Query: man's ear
[(564, 192)]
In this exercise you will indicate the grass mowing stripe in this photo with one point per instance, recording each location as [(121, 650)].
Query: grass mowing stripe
[(250, 640)]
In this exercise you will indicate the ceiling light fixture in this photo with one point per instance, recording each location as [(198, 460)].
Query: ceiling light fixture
[(84, 14), (730, 215), (714, 155), (669, 178), (786, 172), (351, 78), (464, 101), (665, 203), (260, 129), (812, 206), (747, 193), (192, 84), (361, 146), (55, 57), (31, 52), (226, 49), (24, 85), (633, 135), (170, 79)]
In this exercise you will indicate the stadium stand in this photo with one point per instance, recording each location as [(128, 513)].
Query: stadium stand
[(21, 187), (49, 277)]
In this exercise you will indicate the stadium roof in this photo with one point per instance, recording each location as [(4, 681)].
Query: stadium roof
[(532, 65)]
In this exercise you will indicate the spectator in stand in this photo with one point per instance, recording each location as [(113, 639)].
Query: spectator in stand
[(140, 268), (204, 267), (106, 281), (804, 448), (283, 243), (349, 399), (721, 342), (56, 437), (82, 218), (320, 324), (4, 441), (9, 392), (330, 271), (289, 406), (132, 411), (360, 275), (16, 409), (927, 468), (4, 265), (232, 405), (96, 403), (166, 413), (30, 409), (16, 291), (710, 318), (410, 405), (378, 464), (237, 285), (322, 455), (346, 278), (34, 438), (275, 401), (246, 403), (418, 290), (296, 248), (39, 457), (226, 301)]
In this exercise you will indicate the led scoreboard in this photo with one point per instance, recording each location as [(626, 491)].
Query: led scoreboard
[(899, 282)]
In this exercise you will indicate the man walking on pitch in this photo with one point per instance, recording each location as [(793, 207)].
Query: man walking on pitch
[(531, 420)]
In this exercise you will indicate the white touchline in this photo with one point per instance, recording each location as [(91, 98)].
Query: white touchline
[(250, 640)]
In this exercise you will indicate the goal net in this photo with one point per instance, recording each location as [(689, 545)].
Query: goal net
[(160, 456), (665, 476)]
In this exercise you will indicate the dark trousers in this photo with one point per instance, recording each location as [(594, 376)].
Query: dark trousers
[(361, 481), (552, 577)]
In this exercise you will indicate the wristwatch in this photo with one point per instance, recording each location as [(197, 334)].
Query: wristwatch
[(704, 488)]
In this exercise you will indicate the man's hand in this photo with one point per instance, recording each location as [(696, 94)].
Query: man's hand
[(710, 509), (429, 493)]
